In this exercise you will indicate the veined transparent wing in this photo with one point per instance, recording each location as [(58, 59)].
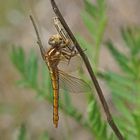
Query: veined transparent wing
[(60, 29), (72, 84), (73, 65), (63, 33)]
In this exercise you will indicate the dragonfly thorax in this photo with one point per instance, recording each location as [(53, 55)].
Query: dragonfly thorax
[(57, 41)]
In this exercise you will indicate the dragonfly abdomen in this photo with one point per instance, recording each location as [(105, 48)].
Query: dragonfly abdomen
[(55, 85)]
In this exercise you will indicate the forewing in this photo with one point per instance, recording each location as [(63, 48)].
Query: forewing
[(72, 84), (60, 29), (62, 32)]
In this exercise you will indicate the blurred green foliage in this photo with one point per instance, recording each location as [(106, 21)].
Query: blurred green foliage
[(95, 19), (124, 86), (22, 132)]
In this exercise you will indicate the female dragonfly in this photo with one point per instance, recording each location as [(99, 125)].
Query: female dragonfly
[(61, 49)]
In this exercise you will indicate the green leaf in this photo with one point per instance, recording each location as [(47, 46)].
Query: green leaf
[(100, 2), (123, 93), (18, 58), (100, 31), (91, 109), (90, 8), (121, 107), (87, 46), (128, 37), (117, 78), (131, 37), (121, 59), (98, 127), (136, 117), (22, 132), (90, 23), (121, 86), (32, 69), (101, 8)]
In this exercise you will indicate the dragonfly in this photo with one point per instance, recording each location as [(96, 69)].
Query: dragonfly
[(61, 50)]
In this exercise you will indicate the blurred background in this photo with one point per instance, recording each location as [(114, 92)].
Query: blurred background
[(109, 30)]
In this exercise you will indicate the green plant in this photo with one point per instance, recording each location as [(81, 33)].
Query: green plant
[(125, 86), (95, 19), (22, 133)]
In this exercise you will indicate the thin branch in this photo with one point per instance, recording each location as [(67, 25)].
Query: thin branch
[(91, 73), (39, 42)]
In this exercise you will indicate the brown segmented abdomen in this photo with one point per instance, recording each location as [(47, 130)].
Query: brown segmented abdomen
[(55, 85)]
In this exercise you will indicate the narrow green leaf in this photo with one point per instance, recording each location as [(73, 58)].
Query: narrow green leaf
[(90, 8), (121, 107), (32, 68), (117, 78), (131, 37), (128, 37), (22, 132), (103, 130), (100, 31), (87, 46), (101, 4), (98, 127), (124, 93), (18, 58), (21, 58), (121, 59), (137, 123), (90, 24)]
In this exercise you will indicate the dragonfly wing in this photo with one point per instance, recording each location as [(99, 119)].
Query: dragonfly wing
[(70, 66), (62, 32), (60, 29), (72, 84)]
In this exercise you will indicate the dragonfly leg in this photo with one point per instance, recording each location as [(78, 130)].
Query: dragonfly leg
[(68, 56)]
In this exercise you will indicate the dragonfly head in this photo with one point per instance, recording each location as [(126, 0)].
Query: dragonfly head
[(55, 40)]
